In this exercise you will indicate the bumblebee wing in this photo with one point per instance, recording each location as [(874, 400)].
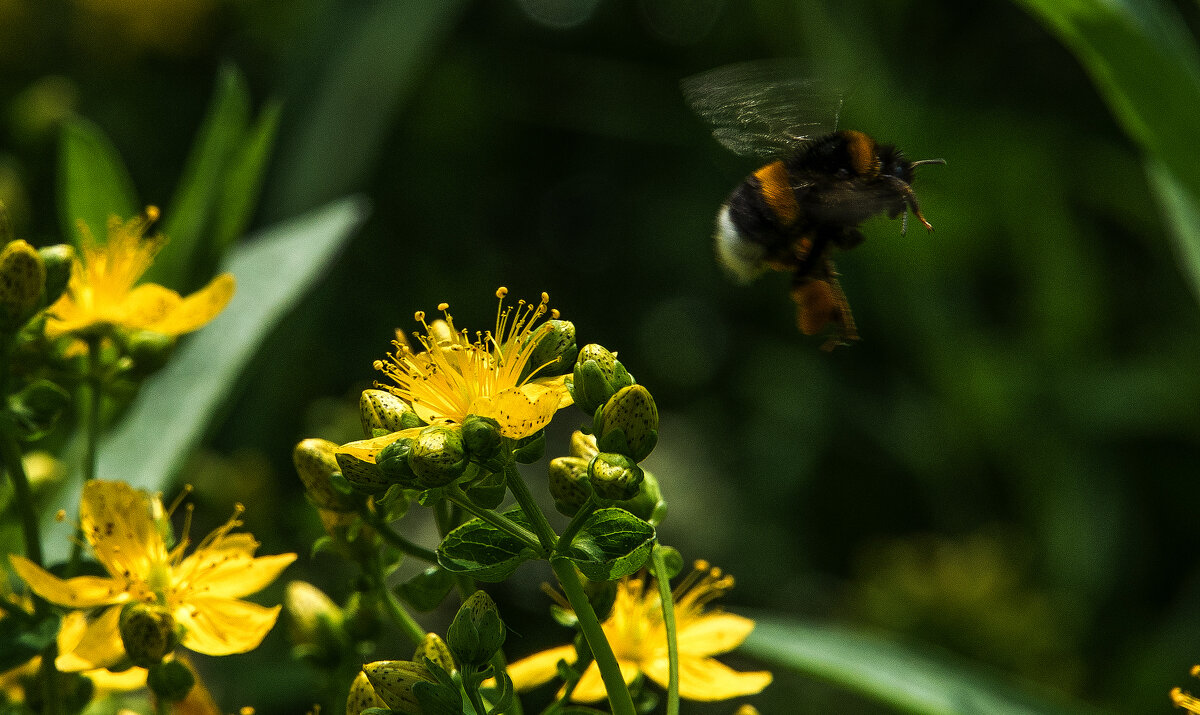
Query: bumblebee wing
[(763, 108)]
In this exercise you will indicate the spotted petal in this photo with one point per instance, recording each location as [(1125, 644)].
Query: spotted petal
[(101, 644), (228, 568), (368, 449), (222, 626), (78, 592), (145, 306), (117, 521), (523, 410), (196, 310)]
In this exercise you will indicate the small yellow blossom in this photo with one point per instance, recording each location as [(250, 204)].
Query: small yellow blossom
[(638, 638), (1186, 700), (125, 528), (489, 375), (103, 290)]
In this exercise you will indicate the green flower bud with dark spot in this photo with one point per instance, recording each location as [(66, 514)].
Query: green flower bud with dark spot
[(392, 460), (149, 351), (648, 505), (315, 624), (384, 412), (615, 476), (597, 376), (477, 631), (555, 352), (316, 464), (170, 680), (437, 456), (364, 476), (22, 280), (436, 650), (393, 681), (569, 484), (481, 437), (147, 632), (629, 424), (57, 260)]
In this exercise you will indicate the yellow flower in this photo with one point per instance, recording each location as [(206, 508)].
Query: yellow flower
[(1186, 700), (638, 637), (103, 290), (490, 375), (125, 528)]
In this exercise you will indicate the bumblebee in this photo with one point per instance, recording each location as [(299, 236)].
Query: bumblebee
[(797, 210)]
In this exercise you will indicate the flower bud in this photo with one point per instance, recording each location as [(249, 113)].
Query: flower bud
[(437, 456), (57, 260), (170, 680), (315, 623), (383, 411), (392, 461), (393, 681), (436, 650), (598, 374), (148, 633), (149, 351), (648, 504), (615, 476), (476, 632), (22, 279), (362, 696), (481, 437), (569, 484), (583, 446), (364, 476), (316, 464), (37, 407), (629, 423), (555, 349)]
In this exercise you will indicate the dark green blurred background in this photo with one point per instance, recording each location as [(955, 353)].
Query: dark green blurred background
[(1004, 467)]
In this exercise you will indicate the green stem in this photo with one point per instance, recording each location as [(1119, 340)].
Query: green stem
[(668, 613), (606, 661), (472, 688), (93, 387), (408, 625), (576, 523), (537, 518), (388, 534), (456, 495), (10, 452), (49, 678)]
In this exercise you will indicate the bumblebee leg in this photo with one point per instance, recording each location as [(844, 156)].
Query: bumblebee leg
[(846, 332), (910, 198)]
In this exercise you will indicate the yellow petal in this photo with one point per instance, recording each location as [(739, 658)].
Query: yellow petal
[(707, 679), (78, 592), (228, 569), (539, 668), (523, 410), (117, 521), (591, 686), (145, 306), (221, 626), (107, 681), (368, 449), (199, 308), (713, 633), (101, 644), (559, 385)]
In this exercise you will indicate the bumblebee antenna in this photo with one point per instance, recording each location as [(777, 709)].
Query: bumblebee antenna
[(928, 161)]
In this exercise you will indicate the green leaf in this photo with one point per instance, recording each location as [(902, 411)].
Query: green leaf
[(426, 590), (21, 638), (1182, 212), (484, 552), (189, 215), (174, 408), (335, 140), (905, 678), (612, 543), (244, 178), (1146, 65), (93, 183)]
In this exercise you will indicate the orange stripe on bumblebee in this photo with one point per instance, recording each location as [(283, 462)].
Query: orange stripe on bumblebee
[(776, 189), (861, 149)]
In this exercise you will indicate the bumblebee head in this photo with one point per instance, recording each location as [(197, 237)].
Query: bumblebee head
[(893, 163)]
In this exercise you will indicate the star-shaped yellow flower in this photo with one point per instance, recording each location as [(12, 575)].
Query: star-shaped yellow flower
[(103, 290), (125, 528), (490, 375), (639, 640)]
